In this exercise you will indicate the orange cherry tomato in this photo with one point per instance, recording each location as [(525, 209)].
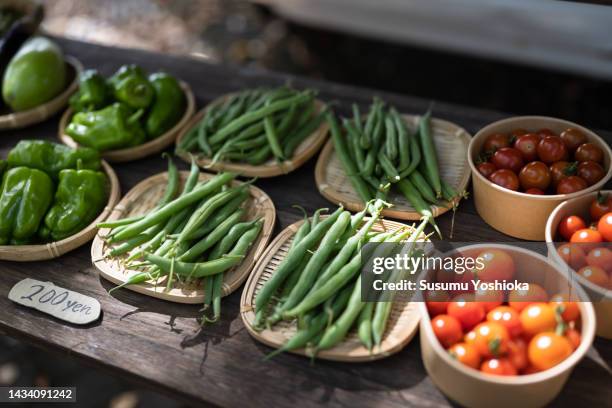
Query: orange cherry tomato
[(466, 310), (537, 318), (574, 337), (596, 275), (437, 301), (465, 353), (447, 329), (520, 299), (491, 339), (586, 236), (507, 317), (498, 366), (568, 309), (470, 337), (569, 225), (517, 353), (548, 349), (530, 369), (604, 226), (601, 257), (489, 299), (573, 255), (497, 265)]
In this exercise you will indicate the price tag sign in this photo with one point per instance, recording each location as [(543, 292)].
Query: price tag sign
[(62, 303)]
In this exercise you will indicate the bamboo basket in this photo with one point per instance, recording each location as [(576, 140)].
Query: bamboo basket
[(146, 149), (140, 200), (24, 253), (451, 145), (308, 148), (16, 120), (401, 327)]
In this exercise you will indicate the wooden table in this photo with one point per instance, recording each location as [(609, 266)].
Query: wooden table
[(160, 344)]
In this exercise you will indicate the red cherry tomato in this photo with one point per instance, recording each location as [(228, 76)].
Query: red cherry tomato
[(534, 191), (569, 225), (604, 226), (573, 138), (573, 255), (518, 132), (589, 152), (595, 275), (574, 337), (552, 149), (560, 170), (535, 175), (591, 172), (498, 366), (507, 317), (528, 144), (489, 299), (447, 329), (505, 178), (601, 257), (571, 184), (548, 349), (517, 353), (486, 169), (495, 265), (496, 141), (586, 236), (520, 299), (437, 302), (545, 132), (601, 205), (568, 309), (465, 353), (508, 158), (467, 311), (491, 339)]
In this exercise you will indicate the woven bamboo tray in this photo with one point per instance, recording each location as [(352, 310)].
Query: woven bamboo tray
[(24, 253), (15, 120), (308, 148), (146, 149), (451, 146), (142, 198), (401, 328)]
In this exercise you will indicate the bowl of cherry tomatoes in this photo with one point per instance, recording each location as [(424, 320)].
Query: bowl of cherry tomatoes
[(579, 238), (505, 348), (523, 167)]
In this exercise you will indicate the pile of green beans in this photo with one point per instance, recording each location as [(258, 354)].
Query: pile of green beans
[(254, 126), (318, 283), (379, 152), (194, 236)]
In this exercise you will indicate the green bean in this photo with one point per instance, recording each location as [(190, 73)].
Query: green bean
[(135, 241), (208, 291), (307, 115), (285, 123), (403, 141), (175, 206), (353, 142), (370, 163), (448, 192), (316, 217), (291, 261), (173, 182), (415, 157), (257, 141), (188, 141), (233, 109), (429, 153), (388, 167), (366, 139), (391, 141), (421, 184), (217, 286), (258, 114), (272, 137), (211, 239), (378, 132), (359, 185), (260, 156), (120, 222), (302, 231), (220, 215), (364, 325), (202, 131), (357, 117), (301, 133), (230, 239), (416, 200)]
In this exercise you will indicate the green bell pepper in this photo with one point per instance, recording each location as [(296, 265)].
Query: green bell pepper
[(26, 195), (113, 127), (52, 157), (168, 107), (130, 86), (93, 92), (81, 195)]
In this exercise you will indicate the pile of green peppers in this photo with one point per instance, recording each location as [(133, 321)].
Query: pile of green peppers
[(125, 110), (49, 192)]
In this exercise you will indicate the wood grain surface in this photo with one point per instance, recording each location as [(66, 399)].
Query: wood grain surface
[(160, 344)]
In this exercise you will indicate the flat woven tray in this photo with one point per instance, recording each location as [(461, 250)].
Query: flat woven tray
[(451, 145), (140, 200), (402, 325)]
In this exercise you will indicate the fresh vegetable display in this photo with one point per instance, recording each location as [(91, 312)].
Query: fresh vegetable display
[(318, 283), (125, 110), (255, 126), (588, 250), (35, 75), (380, 152), (192, 236), (515, 333), (49, 192), (542, 162)]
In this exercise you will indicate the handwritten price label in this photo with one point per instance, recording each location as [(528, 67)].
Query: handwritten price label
[(62, 303)]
